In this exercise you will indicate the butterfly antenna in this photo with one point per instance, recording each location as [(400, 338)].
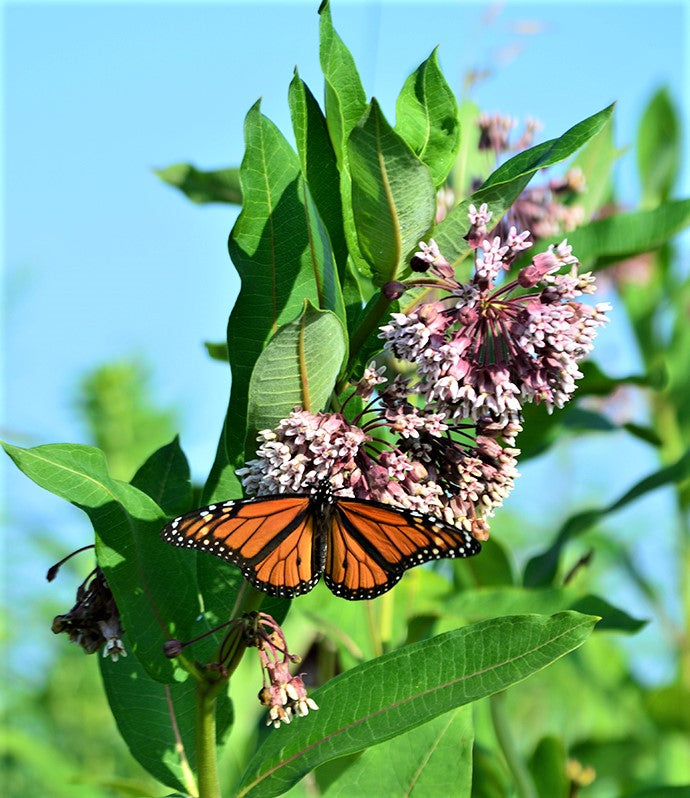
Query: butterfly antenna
[(52, 571)]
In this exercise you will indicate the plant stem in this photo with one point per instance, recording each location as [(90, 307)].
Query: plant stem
[(523, 784), (368, 324), (207, 769)]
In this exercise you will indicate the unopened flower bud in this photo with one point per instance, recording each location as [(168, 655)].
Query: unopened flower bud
[(172, 648), (393, 289)]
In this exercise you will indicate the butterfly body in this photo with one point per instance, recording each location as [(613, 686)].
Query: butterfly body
[(284, 543)]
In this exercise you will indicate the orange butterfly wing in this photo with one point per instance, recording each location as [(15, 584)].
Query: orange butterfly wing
[(270, 538), (372, 544)]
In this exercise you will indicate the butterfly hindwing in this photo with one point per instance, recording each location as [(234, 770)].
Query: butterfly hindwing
[(373, 544), (269, 538)]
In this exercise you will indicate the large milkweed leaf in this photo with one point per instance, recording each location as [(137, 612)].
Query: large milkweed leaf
[(218, 185), (282, 254), (542, 569), (153, 586), (393, 197), (157, 720), (298, 368), (319, 164), (426, 115), (405, 688), (345, 102), (415, 763), (503, 186)]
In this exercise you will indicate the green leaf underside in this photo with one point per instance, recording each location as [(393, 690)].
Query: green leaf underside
[(152, 584), (427, 118), (541, 570), (297, 368), (366, 705), (393, 197), (415, 763), (150, 714), (220, 185), (504, 185), (279, 250)]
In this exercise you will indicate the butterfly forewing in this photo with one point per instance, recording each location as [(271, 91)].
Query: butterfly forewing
[(269, 538)]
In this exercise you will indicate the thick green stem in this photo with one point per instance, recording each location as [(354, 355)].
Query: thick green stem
[(206, 763), (522, 781)]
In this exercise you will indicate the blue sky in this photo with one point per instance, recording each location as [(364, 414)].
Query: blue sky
[(103, 261)]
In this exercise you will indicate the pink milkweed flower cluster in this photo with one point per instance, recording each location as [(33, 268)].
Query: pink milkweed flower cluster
[(442, 441), (487, 347)]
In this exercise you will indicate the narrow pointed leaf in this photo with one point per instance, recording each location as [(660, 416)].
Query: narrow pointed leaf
[(345, 103), (298, 368), (658, 149), (219, 185), (401, 690), (504, 185), (427, 118), (541, 570), (153, 586), (393, 197), (596, 161), (319, 164), (345, 97), (492, 602)]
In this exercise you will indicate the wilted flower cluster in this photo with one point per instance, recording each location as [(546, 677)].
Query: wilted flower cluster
[(94, 621)]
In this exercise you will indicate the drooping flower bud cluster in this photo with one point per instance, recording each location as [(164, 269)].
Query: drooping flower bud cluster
[(284, 695)]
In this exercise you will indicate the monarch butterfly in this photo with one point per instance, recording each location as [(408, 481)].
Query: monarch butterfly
[(285, 542)]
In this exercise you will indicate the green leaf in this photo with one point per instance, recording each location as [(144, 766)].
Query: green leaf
[(283, 257), (165, 478), (220, 185), (661, 792), (547, 766), (154, 587), (427, 120), (151, 715), (405, 688), (218, 351), (299, 367), (596, 160), (493, 602), (319, 164), (415, 763), (623, 235), (658, 149), (472, 163), (345, 97), (541, 570), (504, 185), (495, 567), (393, 197), (345, 102)]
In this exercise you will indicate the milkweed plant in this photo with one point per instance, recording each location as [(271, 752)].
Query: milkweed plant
[(405, 320)]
